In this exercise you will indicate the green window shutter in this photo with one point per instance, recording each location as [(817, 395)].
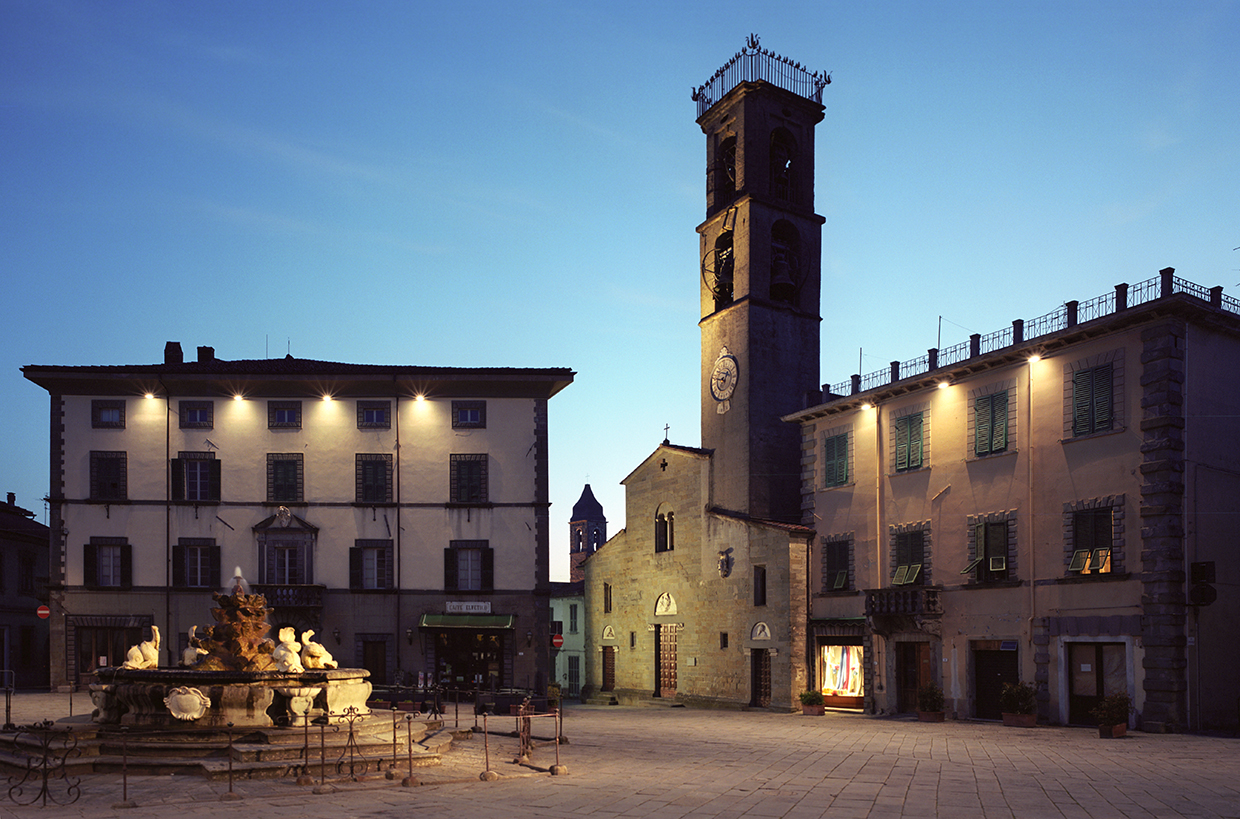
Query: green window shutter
[(488, 569), (998, 415), (902, 434), (178, 566), (214, 557), (835, 460), (355, 568), (981, 424), (449, 569), (914, 441), (1102, 397), (178, 479)]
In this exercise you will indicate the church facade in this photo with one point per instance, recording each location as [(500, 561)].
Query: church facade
[(700, 598)]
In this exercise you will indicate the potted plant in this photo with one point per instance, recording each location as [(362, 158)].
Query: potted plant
[(930, 703), (811, 704), (1112, 715), (1019, 705)]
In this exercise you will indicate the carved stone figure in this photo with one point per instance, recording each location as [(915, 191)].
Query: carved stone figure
[(144, 655), (189, 657), (315, 655), (285, 654)]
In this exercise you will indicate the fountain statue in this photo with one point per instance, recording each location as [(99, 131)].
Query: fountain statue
[(232, 672)]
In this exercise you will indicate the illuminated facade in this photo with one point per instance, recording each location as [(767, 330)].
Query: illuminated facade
[(1053, 503), (400, 512)]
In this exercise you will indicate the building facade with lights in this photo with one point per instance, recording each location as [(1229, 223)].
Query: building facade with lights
[(1054, 503), (400, 512)]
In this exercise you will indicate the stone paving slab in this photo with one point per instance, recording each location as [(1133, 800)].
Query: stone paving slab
[(699, 764)]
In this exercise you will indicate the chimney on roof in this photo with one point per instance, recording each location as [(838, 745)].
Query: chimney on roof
[(12, 499), (173, 354), (206, 354)]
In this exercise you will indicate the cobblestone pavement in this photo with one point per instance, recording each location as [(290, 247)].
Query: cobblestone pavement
[(674, 763)]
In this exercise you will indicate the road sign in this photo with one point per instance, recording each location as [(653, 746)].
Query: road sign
[(44, 612), (557, 640)]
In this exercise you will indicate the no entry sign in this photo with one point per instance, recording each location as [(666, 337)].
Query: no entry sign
[(44, 612), (557, 640)]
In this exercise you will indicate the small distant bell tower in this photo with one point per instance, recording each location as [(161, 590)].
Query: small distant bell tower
[(760, 276), (587, 532)]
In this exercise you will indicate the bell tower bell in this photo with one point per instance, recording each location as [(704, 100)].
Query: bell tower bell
[(761, 277)]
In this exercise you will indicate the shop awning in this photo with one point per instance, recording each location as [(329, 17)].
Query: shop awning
[(474, 621)]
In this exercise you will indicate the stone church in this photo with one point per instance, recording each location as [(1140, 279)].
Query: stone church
[(701, 598)]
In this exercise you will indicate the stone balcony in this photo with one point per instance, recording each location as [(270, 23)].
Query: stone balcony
[(911, 601), (285, 596)]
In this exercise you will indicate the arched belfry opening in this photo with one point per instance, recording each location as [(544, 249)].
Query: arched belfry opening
[(786, 273), (783, 153), (587, 532)]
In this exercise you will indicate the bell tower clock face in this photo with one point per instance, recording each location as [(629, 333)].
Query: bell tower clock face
[(723, 380)]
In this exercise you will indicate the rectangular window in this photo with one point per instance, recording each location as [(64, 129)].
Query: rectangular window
[(25, 573), (990, 423), (107, 562), (468, 477), (373, 476), (1092, 532), (835, 460), (469, 565), (835, 562), (107, 414), (1091, 400), (572, 618), (287, 558), (284, 415), (606, 598), (469, 414), (372, 565), (285, 477), (374, 414), (196, 563), (908, 449), (723, 639), (197, 414), (759, 585), (196, 477), (574, 676), (909, 557), (991, 563), (108, 476), (287, 567)]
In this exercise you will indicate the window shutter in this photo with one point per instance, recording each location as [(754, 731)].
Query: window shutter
[(213, 554), (215, 472), (90, 565), (902, 428), (449, 569), (126, 566), (389, 566), (1102, 397), (178, 479), (998, 413), (488, 569), (178, 566), (980, 535), (981, 424), (355, 568), (1082, 401), (914, 441)]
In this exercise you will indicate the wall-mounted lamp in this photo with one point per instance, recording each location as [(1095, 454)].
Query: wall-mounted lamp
[(336, 634), (409, 635), (529, 638)]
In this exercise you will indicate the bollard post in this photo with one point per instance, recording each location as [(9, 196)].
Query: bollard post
[(409, 781), (391, 771), (230, 795), (125, 802), (305, 778), (323, 787)]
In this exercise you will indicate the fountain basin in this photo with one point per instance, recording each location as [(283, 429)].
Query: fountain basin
[(181, 697)]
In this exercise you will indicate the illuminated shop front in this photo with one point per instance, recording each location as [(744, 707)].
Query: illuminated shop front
[(840, 654)]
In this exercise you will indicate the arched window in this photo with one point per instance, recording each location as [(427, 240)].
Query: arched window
[(725, 169), (664, 531), (783, 152), (785, 262)]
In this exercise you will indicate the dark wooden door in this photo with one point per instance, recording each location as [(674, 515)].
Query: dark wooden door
[(1095, 670), (374, 660), (991, 669), (609, 668), (665, 658), (912, 672), (760, 677)]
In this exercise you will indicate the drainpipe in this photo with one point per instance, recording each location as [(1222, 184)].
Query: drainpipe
[(396, 514), (1031, 537), (879, 519), (167, 512)]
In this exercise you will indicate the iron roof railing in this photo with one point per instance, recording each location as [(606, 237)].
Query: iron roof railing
[(752, 64), (1068, 315)]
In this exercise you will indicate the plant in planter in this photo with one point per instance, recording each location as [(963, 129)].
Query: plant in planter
[(1019, 705), (930, 703), (812, 704), (1112, 715)]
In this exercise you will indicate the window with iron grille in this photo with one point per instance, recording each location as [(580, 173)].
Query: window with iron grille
[(284, 415), (374, 414), (373, 477), (469, 414), (109, 476), (285, 477), (468, 478), (106, 413)]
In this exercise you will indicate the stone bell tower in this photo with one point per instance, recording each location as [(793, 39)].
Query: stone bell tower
[(761, 277)]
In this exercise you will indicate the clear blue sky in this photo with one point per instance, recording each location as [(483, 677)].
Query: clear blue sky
[(517, 184)]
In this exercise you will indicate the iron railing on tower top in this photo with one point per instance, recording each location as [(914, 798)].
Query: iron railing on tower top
[(753, 63)]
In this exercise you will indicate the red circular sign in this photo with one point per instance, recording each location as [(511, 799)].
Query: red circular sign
[(44, 612), (557, 640)]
